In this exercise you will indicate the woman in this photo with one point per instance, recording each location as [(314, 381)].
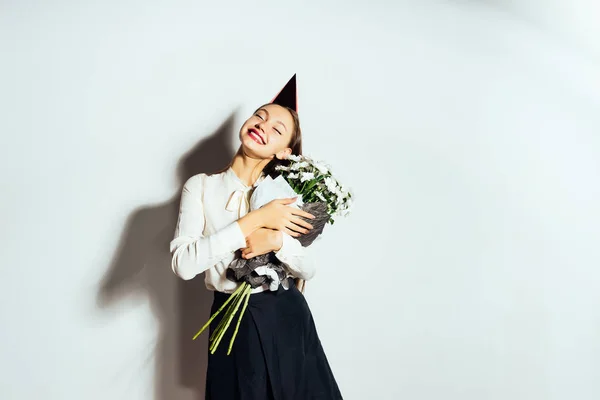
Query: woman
[(277, 353)]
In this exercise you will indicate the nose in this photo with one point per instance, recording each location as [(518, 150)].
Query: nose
[(260, 125)]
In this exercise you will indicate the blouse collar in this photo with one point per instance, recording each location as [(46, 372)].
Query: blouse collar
[(233, 176), (238, 199)]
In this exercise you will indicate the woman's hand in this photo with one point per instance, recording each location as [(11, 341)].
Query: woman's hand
[(277, 215), (262, 241)]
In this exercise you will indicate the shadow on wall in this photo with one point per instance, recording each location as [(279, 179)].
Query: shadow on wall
[(142, 266)]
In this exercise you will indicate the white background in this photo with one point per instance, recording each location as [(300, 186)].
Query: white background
[(469, 131)]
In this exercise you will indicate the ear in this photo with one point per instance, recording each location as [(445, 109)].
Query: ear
[(283, 153)]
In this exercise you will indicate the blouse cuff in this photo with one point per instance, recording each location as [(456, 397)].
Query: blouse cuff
[(193, 255), (294, 255), (285, 243), (233, 235)]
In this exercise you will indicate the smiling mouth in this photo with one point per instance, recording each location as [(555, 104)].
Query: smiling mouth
[(256, 137)]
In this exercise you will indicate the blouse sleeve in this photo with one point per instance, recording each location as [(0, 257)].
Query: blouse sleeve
[(296, 257), (192, 252)]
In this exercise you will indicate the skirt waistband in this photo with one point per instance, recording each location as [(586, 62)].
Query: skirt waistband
[(259, 296)]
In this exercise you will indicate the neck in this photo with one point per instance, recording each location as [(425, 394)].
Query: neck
[(248, 169)]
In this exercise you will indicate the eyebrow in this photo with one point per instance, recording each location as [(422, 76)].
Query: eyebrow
[(279, 122)]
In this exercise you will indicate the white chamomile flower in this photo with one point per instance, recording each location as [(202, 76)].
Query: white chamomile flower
[(293, 157), (321, 167), (331, 184), (307, 176)]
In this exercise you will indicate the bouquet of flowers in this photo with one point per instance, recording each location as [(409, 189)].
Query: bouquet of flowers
[(319, 194)]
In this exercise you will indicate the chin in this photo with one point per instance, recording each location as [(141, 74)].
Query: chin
[(254, 148)]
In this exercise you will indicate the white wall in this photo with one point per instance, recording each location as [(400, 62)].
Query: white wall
[(468, 130)]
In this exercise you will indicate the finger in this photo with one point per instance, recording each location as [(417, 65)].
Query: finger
[(302, 213), (301, 222), (296, 228), (291, 232), (289, 200)]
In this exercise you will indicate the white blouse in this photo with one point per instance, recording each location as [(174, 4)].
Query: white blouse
[(207, 233)]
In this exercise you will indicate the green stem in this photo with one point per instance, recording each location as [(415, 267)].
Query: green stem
[(219, 330), (236, 297), (218, 311), (221, 324), (236, 305), (302, 188), (247, 294), (313, 186), (296, 188)]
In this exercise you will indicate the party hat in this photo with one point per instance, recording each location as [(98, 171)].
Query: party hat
[(288, 96)]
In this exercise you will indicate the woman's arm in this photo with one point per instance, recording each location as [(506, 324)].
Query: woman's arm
[(296, 257), (193, 253), (287, 249)]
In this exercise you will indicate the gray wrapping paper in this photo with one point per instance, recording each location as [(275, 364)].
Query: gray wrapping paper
[(242, 270)]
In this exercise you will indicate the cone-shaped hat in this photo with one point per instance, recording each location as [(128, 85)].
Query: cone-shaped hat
[(288, 96)]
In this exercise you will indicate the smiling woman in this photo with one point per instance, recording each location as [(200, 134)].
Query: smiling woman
[(277, 352), (263, 114), (272, 126)]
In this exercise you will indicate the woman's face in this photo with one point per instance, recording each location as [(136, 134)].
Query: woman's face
[(268, 132)]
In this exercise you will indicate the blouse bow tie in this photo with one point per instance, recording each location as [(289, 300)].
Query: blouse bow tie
[(239, 201)]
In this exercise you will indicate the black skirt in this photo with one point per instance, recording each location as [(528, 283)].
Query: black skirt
[(276, 355)]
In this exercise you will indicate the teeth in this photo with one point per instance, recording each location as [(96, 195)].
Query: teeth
[(257, 137)]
